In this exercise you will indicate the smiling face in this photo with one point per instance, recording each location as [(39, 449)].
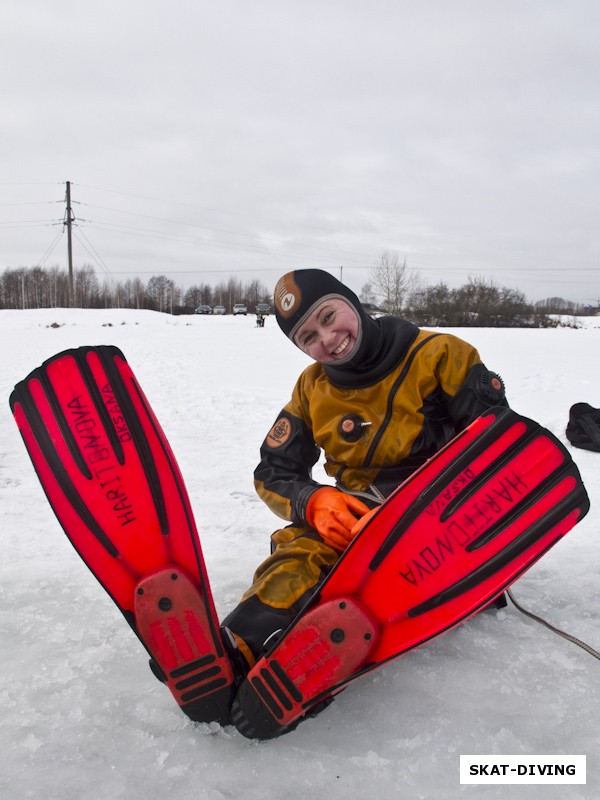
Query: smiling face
[(330, 333)]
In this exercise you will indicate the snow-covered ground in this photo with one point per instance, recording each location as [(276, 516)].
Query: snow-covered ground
[(82, 718)]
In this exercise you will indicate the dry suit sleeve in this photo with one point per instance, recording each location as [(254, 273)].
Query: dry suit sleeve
[(468, 386), (283, 476), (482, 390)]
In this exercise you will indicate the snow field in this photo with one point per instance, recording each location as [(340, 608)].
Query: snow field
[(81, 714)]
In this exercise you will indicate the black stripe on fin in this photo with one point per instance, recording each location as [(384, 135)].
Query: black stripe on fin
[(22, 396), (505, 419), (512, 551), (122, 394)]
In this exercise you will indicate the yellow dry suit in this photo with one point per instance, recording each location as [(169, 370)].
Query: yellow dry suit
[(373, 430)]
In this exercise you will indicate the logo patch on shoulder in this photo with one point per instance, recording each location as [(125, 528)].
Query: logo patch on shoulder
[(279, 433)]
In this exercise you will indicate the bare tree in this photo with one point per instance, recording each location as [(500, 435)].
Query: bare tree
[(558, 305), (391, 279), (198, 295), (86, 287), (160, 291), (367, 295), (431, 305)]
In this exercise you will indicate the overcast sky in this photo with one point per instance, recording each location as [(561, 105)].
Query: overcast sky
[(205, 139)]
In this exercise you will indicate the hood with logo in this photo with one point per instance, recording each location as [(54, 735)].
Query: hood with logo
[(381, 343)]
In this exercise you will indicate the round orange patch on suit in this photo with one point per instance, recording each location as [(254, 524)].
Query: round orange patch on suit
[(279, 433)]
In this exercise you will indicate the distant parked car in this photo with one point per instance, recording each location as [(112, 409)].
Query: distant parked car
[(240, 308), (219, 310), (264, 309), (204, 310), (373, 310)]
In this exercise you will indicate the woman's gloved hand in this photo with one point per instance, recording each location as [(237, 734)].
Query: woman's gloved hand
[(334, 515)]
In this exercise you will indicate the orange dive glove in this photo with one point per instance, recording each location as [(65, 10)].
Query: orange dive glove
[(334, 514)]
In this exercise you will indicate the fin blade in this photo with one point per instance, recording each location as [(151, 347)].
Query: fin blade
[(442, 549), (447, 542), (106, 467), (113, 482)]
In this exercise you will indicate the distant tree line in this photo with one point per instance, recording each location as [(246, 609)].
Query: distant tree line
[(393, 289), (34, 287), (478, 303)]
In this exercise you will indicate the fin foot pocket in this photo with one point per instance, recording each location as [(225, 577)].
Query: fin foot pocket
[(299, 676), (187, 653)]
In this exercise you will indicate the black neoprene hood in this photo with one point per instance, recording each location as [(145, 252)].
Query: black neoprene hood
[(298, 293), (380, 345)]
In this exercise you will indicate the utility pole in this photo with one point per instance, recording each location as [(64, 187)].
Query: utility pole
[(69, 217)]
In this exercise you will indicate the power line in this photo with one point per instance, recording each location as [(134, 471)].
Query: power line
[(32, 203), (210, 209), (50, 249), (215, 243), (335, 254), (18, 224), (25, 223), (201, 227), (91, 250), (296, 226), (282, 249), (33, 183)]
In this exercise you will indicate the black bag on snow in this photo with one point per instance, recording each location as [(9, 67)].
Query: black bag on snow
[(583, 428)]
